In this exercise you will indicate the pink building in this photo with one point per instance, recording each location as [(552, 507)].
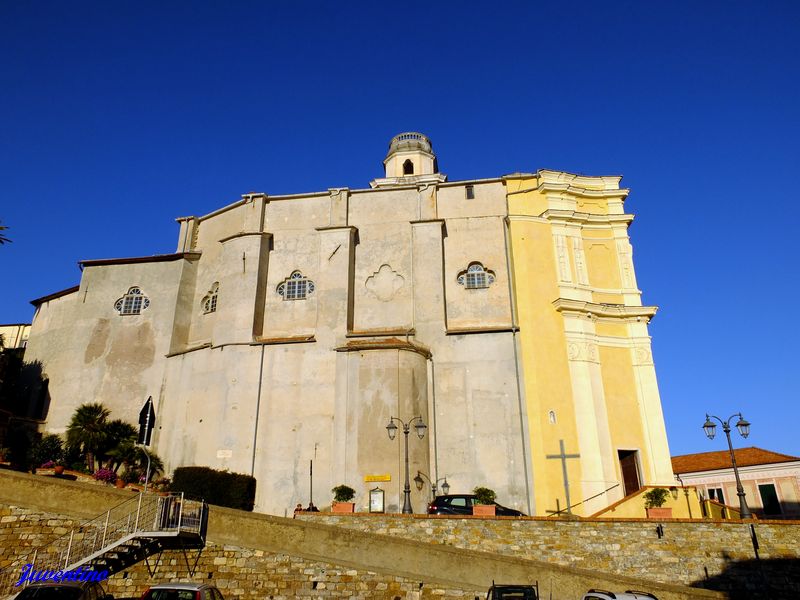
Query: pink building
[(771, 480)]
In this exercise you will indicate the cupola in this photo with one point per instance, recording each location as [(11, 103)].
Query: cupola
[(410, 161)]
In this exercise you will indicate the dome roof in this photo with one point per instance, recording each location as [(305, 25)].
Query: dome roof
[(410, 140)]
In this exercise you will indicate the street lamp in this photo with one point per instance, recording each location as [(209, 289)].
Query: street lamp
[(744, 430), (421, 482), (391, 429)]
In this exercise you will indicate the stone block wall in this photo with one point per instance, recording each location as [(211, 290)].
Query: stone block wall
[(688, 552), (256, 556), (241, 573), (23, 529)]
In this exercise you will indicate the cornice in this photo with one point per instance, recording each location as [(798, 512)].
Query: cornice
[(350, 228), (407, 180), (384, 344), (139, 259), (55, 295), (571, 216), (604, 311), (473, 330), (244, 234)]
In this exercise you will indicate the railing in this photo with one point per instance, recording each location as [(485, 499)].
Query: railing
[(409, 136), (142, 516)]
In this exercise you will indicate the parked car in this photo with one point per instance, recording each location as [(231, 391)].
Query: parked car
[(182, 591), (513, 592), (461, 504), (626, 595), (64, 590)]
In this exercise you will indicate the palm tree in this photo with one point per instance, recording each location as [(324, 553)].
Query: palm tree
[(87, 430), (134, 459), (3, 238), (118, 432)]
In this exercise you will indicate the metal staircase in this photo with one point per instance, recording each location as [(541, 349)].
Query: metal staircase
[(126, 534)]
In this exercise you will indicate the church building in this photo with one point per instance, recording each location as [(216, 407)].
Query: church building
[(503, 312)]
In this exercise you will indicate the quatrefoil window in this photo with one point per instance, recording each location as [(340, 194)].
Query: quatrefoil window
[(475, 277), (209, 302), (132, 303), (296, 287)]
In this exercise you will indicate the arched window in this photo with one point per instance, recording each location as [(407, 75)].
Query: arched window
[(132, 303), (408, 167), (475, 277), (296, 287), (209, 302)]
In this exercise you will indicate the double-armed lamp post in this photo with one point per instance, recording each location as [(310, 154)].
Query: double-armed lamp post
[(420, 428), (744, 430), (420, 482)]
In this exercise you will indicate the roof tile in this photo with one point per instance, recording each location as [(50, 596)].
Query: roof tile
[(711, 461)]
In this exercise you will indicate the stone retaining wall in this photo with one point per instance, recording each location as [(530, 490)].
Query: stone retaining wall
[(241, 573), (688, 551), (254, 556), (714, 554)]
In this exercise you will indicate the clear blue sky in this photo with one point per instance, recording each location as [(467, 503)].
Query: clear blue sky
[(117, 117)]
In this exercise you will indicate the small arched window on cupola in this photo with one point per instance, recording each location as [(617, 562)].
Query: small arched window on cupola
[(408, 167)]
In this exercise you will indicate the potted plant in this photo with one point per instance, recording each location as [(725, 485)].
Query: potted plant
[(654, 500), (48, 452), (484, 501), (343, 499)]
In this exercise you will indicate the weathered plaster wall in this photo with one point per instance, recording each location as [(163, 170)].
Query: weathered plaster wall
[(92, 354)]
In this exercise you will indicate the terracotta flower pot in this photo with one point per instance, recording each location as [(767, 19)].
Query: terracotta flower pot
[(659, 513), (120, 484), (484, 510), (59, 469), (343, 507)]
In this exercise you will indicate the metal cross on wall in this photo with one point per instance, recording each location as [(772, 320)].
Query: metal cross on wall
[(563, 456)]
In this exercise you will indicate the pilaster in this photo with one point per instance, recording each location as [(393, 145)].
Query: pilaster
[(335, 282), (427, 239), (340, 206), (659, 467), (591, 415), (241, 287)]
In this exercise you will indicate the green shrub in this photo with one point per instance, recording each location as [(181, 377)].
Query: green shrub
[(48, 449), (343, 493), (233, 490), (655, 498), (484, 495)]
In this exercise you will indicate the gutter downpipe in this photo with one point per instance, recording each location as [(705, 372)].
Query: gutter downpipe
[(258, 410), (522, 408)]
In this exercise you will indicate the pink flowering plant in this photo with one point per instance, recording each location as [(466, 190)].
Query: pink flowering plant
[(105, 475)]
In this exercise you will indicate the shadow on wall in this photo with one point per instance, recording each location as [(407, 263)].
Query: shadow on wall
[(768, 579), (24, 403), (789, 510)]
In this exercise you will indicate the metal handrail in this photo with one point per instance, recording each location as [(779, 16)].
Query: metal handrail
[(154, 514)]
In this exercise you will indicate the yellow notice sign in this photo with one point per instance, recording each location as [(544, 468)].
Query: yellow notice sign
[(385, 477)]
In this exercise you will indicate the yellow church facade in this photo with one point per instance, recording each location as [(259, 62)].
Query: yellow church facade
[(589, 379)]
